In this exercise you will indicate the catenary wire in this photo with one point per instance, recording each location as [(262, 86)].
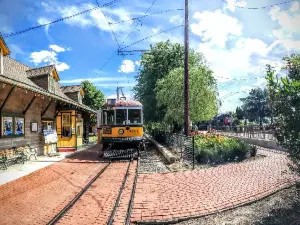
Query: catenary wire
[(59, 20), (262, 7)]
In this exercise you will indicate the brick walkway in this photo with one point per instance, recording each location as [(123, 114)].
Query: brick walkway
[(172, 196), (95, 205), (36, 198)]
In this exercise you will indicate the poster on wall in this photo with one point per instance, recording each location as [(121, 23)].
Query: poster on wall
[(34, 127), (19, 126), (7, 126)]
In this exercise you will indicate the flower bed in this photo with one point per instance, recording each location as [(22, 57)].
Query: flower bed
[(215, 149)]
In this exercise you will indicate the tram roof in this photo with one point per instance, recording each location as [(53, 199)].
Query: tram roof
[(124, 103)]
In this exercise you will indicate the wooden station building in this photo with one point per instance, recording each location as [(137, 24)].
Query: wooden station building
[(33, 102)]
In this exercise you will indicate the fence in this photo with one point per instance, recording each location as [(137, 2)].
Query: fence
[(181, 145), (254, 132)]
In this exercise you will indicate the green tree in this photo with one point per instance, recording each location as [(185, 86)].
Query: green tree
[(202, 94), (93, 97), (286, 105), (240, 113), (255, 105), (156, 64)]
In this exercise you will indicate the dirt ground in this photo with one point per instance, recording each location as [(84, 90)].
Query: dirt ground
[(282, 208)]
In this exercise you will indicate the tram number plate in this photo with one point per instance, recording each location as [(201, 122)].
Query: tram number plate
[(107, 130)]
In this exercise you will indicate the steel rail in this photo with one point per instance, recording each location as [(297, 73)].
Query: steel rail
[(130, 205), (113, 213), (75, 199)]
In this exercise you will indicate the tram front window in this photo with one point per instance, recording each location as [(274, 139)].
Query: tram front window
[(134, 116), (121, 116)]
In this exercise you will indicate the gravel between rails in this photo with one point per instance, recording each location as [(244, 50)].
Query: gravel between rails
[(152, 161)]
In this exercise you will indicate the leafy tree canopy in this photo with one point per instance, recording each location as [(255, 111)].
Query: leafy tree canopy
[(255, 105), (239, 113), (93, 97), (286, 106), (202, 94), (156, 64)]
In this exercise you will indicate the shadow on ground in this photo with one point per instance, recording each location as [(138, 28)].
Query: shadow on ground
[(287, 213)]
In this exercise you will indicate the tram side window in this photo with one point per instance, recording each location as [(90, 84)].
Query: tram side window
[(121, 116), (134, 116), (108, 117)]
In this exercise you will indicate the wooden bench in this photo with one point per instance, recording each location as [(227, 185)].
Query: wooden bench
[(28, 151), (11, 156), (16, 155)]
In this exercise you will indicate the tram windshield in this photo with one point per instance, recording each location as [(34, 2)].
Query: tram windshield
[(121, 116), (134, 116)]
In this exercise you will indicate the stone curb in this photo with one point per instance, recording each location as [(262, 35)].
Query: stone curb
[(177, 220), (163, 150)]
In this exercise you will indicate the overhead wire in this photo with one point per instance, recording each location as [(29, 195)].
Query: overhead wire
[(115, 37), (262, 7), (59, 20), (149, 8), (144, 16)]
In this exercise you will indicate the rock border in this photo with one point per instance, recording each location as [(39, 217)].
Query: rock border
[(169, 156)]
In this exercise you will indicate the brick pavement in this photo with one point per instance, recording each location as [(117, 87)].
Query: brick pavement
[(122, 209), (171, 196), (36, 198), (96, 204)]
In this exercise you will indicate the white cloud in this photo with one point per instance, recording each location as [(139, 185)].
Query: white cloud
[(232, 4), (49, 57), (43, 21), (43, 56), (215, 27), (61, 66), (155, 30), (295, 7), (127, 66), (289, 28), (289, 21), (94, 18), (57, 48), (98, 79), (138, 63), (176, 19)]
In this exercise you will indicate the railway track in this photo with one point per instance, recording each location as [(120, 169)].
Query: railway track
[(106, 199)]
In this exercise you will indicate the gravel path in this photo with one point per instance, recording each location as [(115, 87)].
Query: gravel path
[(281, 208), (152, 162)]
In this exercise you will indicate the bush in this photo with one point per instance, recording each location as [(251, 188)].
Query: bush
[(157, 131), (216, 149)]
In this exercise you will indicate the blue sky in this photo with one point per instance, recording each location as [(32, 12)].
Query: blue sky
[(237, 43)]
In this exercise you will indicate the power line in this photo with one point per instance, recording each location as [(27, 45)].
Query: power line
[(150, 6), (139, 20), (61, 19), (141, 17), (163, 31), (262, 7)]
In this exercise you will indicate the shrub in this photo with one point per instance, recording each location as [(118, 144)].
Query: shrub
[(216, 149)]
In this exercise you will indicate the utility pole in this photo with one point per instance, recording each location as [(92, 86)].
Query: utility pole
[(186, 69)]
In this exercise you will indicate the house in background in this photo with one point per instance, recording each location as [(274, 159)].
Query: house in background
[(32, 102)]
